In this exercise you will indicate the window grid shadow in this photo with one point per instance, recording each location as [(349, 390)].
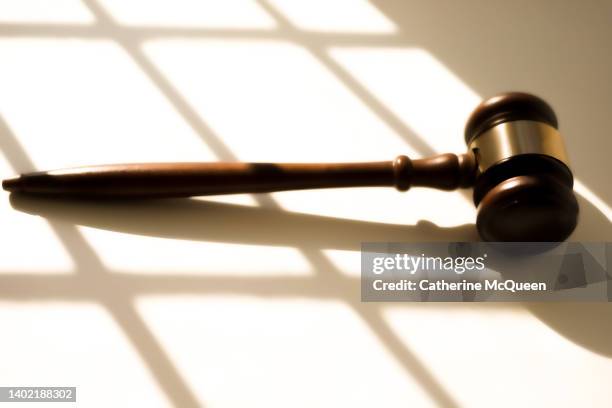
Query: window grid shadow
[(107, 288)]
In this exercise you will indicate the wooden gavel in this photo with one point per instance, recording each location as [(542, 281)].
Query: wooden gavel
[(516, 162)]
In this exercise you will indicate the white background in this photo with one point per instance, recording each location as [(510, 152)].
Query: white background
[(254, 300)]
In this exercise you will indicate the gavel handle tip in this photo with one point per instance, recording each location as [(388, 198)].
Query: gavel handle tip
[(12, 184)]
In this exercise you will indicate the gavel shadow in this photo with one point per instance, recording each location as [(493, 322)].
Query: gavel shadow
[(586, 324), (192, 219)]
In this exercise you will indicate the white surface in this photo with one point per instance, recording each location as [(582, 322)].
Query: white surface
[(254, 300)]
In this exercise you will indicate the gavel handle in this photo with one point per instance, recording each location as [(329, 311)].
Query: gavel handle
[(161, 180)]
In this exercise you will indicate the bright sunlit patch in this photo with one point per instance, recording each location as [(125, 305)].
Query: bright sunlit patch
[(152, 255), (239, 199), (600, 204), (77, 345), (417, 88), (73, 102), (515, 346), (278, 353), (189, 13), (27, 244), (357, 16), (45, 11)]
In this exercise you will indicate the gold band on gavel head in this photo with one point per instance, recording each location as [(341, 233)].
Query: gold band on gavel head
[(511, 139)]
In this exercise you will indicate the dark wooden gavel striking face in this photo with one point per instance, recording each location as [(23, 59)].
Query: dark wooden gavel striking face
[(516, 163)]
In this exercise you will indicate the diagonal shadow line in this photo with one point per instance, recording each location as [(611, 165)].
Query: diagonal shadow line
[(87, 262), (427, 381), (13, 151)]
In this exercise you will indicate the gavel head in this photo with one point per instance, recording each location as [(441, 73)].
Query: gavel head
[(523, 190)]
